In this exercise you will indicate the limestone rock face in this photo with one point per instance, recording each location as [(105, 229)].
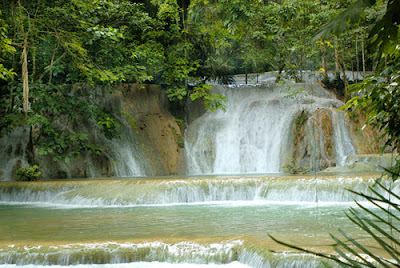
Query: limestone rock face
[(365, 137), (149, 143), (318, 145), (159, 134)]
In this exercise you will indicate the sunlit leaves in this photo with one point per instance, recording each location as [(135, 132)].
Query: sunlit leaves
[(339, 23), (212, 101)]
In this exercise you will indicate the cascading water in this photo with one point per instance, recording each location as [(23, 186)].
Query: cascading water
[(13, 151), (123, 155), (343, 143), (319, 190), (162, 222), (193, 222), (252, 135)]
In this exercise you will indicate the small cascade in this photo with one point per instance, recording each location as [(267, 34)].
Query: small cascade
[(13, 151), (123, 152), (343, 144), (255, 134), (325, 141), (114, 253), (156, 254), (194, 191), (281, 260), (247, 138), (122, 156)]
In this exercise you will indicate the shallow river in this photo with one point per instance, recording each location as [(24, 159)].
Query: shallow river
[(74, 223)]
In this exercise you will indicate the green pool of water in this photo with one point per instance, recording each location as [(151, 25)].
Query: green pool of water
[(234, 219)]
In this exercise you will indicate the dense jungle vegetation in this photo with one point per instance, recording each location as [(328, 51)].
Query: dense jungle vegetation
[(46, 47)]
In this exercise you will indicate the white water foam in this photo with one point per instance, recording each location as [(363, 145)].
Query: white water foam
[(137, 265), (253, 135), (222, 192), (118, 253)]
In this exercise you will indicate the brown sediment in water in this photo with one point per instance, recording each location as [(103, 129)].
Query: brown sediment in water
[(74, 182)]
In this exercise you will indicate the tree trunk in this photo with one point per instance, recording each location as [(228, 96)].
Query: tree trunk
[(25, 77), (51, 63), (324, 61), (278, 77), (343, 68), (11, 101), (337, 65), (300, 68), (363, 56), (24, 59), (358, 61)]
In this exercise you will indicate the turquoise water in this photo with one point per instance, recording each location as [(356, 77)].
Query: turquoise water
[(230, 219), (172, 222)]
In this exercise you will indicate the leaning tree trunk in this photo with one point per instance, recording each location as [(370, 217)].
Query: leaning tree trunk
[(24, 59), (25, 77)]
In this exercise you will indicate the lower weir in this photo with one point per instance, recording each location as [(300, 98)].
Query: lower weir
[(168, 222)]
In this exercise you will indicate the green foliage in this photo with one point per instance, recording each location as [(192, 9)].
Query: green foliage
[(6, 49), (212, 101), (301, 120), (55, 112), (336, 84), (66, 146), (339, 23), (178, 138), (171, 43), (378, 96), (28, 174), (181, 125), (109, 125)]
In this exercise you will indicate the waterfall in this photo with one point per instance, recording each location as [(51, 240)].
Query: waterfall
[(114, 253), (253, 134), (13, 151), (282, 260), (343, 143), (172, 192), (125, 153), (155, 254), (122, 156)]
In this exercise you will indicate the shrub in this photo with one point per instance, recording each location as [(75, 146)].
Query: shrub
[(28, 174)]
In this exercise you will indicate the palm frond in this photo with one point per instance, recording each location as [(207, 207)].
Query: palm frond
[(384, 232), (339, 23)]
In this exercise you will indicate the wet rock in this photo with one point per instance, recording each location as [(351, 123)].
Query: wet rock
[(18, 164), (61, 174), (102, 165), (10, 150), (19, 149)]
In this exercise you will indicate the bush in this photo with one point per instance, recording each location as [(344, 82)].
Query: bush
[(336, 84), (28, 174)]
